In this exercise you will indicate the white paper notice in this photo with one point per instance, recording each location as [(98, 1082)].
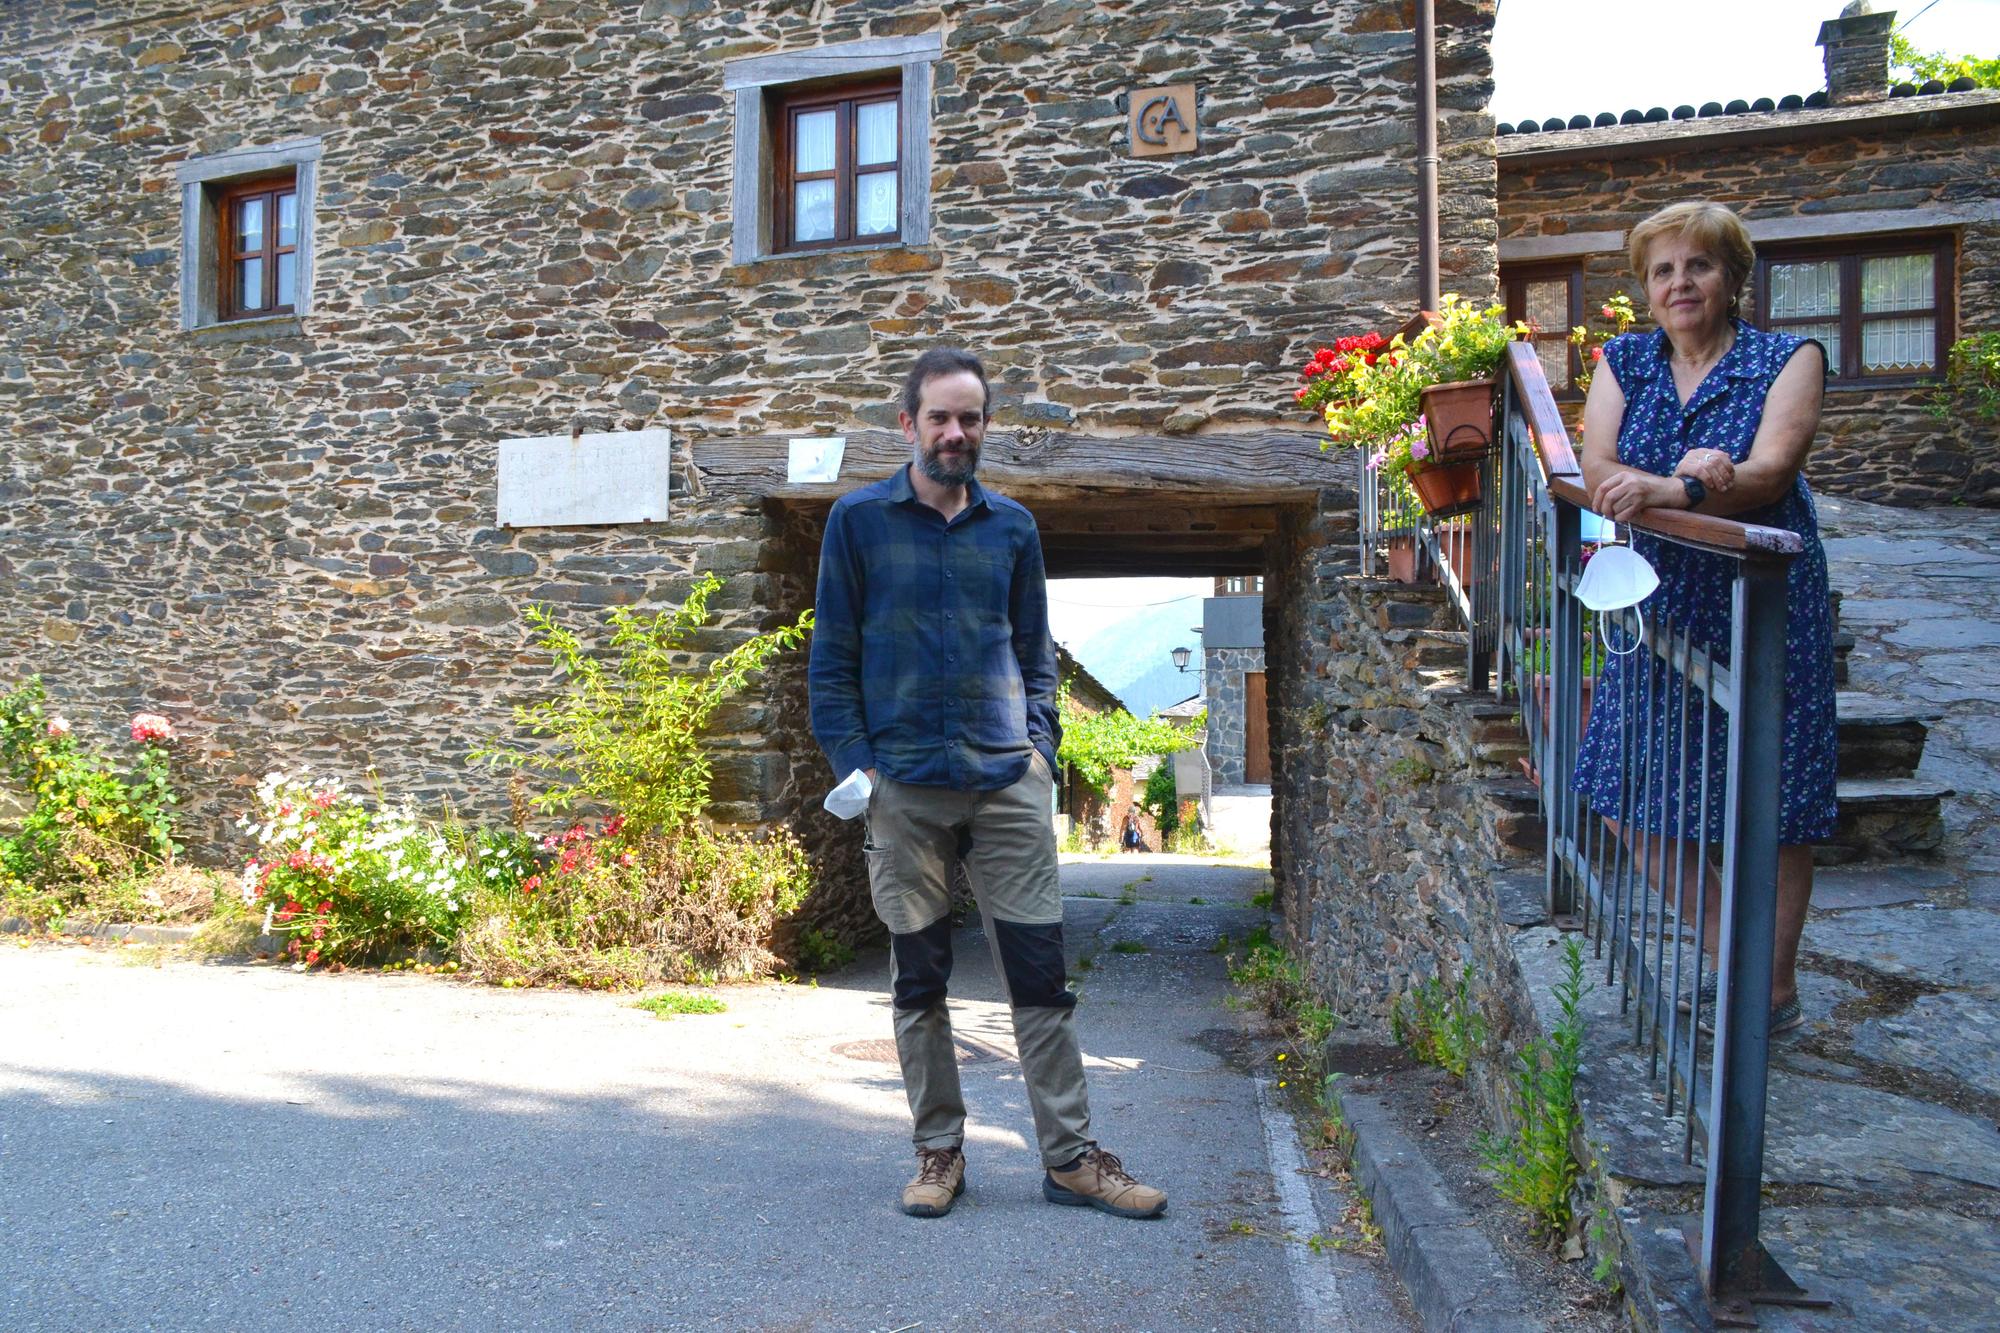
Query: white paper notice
[(816, 459)]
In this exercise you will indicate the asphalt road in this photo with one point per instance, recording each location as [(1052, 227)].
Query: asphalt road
[(242, 1146)]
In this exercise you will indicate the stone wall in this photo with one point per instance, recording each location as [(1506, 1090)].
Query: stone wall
[(287, 538), (1223, 692), (1878, 444), (1397, 795)]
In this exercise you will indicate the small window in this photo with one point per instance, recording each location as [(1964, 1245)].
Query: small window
[(838, 159), (258, 229), (1882, 311), (1551, 301)]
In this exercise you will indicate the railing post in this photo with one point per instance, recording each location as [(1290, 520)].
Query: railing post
[(1734, 1263), (1511, 584), (1565, 654)]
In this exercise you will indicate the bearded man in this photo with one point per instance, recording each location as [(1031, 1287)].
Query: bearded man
[(933, 672)]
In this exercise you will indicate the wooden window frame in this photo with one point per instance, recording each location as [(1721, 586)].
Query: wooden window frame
[(229, 301), (843, 99), (1942, 247), (1514, 280)]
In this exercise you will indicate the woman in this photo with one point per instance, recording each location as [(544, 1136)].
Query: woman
[(1708, 414)]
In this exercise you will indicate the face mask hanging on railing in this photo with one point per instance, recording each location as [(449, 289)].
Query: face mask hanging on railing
[(1617, 577)]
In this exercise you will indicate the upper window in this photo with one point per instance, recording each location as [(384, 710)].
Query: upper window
[(1882, 309), (247, 238), (1236, 585), (832, 146), (258, 224), (837, 166), (1551, 301)]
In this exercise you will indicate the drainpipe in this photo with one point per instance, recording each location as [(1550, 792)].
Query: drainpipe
[(1427, 154)]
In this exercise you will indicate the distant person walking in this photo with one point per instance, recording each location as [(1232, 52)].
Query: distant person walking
[(1134, 841), (933, 671)]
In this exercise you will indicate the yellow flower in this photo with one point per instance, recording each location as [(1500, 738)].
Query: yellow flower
[(1281, 1055), (1281, 1083)]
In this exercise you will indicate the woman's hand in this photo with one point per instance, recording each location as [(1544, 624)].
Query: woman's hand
[(1628, 490), (1711, 467)]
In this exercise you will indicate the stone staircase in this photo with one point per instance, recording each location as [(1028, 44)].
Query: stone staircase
[(1887, 813)]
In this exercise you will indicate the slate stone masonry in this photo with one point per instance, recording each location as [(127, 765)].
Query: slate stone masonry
[(1224, 692), (284, 535)]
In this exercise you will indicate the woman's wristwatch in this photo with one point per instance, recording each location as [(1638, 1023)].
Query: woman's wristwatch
[(1696, 492)]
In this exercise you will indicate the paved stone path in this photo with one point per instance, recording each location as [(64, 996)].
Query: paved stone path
[(1884, 1155), (188, 1146)]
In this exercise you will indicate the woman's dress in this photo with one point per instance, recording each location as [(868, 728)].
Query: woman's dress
[(1695, 596)]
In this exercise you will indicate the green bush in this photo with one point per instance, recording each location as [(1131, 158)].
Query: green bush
[(1971, 385), (1095, 743), (1439, 1023), (1268, 971), (1536, 1165)]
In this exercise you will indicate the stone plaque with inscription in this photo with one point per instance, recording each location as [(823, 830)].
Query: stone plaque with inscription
[(1162, 120)]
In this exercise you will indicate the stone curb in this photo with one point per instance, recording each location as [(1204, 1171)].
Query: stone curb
[(144, 934), (1456, 1279)]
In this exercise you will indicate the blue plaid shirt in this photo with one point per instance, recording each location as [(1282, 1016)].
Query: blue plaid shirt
[(931, 656)]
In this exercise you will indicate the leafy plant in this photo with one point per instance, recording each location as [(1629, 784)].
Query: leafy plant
[(673, 1002), (1923, 66), (819, 951), (1971, 379), (1278, 981), (628, 732), (1440, 1024), (1536, 1165), (1095, 743), (1161, 799), (1619, 315)]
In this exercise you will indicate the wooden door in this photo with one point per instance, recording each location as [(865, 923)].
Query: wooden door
[(1256, 730)]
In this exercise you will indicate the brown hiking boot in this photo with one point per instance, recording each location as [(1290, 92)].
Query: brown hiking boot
[(940, 1180), (1098, 1180)]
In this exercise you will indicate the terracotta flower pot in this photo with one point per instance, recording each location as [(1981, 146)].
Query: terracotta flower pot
[(1460, 417), (1403, 559), (1446, 489)]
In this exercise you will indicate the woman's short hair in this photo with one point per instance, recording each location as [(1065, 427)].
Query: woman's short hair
[(1711, 226)]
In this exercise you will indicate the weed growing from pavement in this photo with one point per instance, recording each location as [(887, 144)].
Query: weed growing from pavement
[(1262, 900), (1439, 1023), (673, 1002), (1129, 946), (1277, 981), (1536, 1165)]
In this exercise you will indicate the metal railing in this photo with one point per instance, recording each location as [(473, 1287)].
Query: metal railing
[(1694, 710)]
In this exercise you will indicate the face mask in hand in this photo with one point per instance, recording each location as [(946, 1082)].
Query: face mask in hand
[(1617, 577)]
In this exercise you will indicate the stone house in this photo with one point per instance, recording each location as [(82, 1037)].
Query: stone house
[(278, 282), (1234, 683), (1876, 214)]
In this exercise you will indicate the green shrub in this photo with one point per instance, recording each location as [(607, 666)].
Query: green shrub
[(819, 951), (1278, 981), (1095, 743), (1971, 385), (1536, 1165), (1161, 799), (1439, 1023)]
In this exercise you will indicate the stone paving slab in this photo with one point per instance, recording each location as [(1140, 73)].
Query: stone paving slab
[(1956, 1033), (1957, 947)]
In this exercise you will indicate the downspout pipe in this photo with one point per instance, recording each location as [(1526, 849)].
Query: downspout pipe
[(1427, 155)]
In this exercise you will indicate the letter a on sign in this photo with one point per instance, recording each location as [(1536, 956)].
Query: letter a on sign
[(1162, 120)]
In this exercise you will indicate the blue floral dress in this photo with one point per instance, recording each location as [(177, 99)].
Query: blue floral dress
[(1694, 595)]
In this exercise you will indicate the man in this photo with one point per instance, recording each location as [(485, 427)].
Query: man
[(933, 671)]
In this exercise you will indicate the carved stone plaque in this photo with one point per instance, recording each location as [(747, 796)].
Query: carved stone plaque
[(565, 480), (1162, 120)]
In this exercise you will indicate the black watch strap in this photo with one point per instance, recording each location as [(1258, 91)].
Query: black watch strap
[(1695, 490)]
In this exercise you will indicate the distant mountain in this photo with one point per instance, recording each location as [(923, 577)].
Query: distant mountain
[(1132, 654)]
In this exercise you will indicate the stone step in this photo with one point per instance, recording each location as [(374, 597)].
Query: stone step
[(1880, 738), (1886, 819), (1436, 649)]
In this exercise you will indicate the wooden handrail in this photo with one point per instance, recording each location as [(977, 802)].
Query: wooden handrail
[(1711, 532), (1538, 405)]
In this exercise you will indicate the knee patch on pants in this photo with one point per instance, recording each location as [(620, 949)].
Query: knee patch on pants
[(923, 965), (1033, 959)]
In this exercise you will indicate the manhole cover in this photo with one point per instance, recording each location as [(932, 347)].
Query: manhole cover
[(883, 1051)]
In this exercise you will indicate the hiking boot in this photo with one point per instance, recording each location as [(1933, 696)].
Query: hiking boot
[(1098, 1180), (940, 1180)]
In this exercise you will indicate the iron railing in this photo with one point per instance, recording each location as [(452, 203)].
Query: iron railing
[(1689, 716)]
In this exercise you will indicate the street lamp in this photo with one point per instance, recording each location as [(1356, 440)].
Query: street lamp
[(1181, 656)]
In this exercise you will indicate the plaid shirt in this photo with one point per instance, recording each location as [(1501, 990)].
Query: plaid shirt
[(931, 656)]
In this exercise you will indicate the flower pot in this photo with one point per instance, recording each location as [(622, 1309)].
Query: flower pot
[(1447, 489), (1460, 417), (1455, 543), (1403, 559)]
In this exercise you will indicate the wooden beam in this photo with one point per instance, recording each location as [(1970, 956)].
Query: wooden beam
[(1267, 466)]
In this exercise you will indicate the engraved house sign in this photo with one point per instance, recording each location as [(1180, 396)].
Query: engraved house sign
[(1162, 120)]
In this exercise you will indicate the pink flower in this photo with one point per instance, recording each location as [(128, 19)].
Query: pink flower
[(1420, 448), (150, 727), (1609, 313), (58, 726)]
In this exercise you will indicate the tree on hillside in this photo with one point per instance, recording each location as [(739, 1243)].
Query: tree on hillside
[(1909, 65)]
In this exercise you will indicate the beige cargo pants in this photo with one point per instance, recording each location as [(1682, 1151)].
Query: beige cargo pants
[(915, 834)]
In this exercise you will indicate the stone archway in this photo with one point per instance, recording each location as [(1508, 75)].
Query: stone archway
[(1267, 503)]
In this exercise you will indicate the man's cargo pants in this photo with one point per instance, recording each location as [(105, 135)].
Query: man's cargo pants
[(915, 835)]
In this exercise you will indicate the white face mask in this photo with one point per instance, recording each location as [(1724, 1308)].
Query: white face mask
[(1615, 578)]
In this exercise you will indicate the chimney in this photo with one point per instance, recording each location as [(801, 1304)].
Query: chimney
[(1857, 54)]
